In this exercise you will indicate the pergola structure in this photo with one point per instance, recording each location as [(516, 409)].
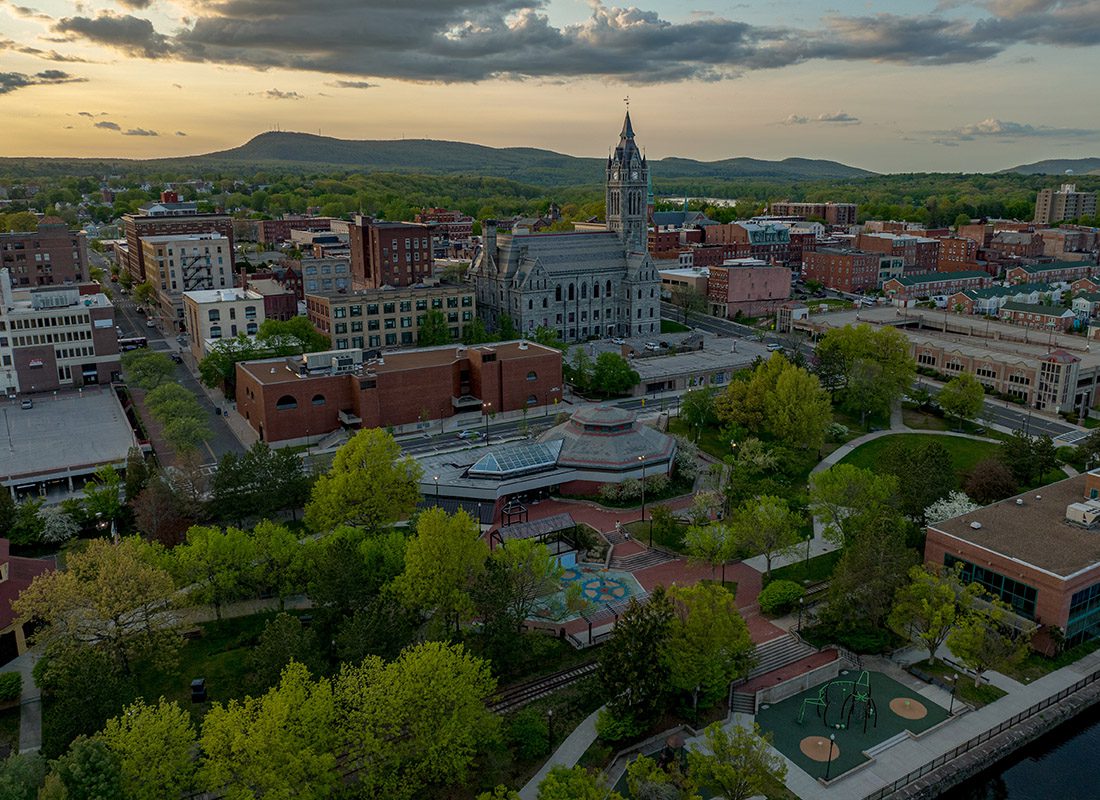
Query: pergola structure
[(540, 529)]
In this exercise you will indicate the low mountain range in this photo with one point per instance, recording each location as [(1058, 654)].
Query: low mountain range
[(1060, 166)]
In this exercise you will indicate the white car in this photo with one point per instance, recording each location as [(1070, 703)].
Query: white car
[(469, 435), (150, 323), (652, 346), (618, 340), (773, 346)]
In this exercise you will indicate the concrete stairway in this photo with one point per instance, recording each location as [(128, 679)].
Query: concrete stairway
[(637, 561), (778, 653)]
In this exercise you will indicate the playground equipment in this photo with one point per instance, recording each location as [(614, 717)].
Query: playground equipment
[(854, 696)]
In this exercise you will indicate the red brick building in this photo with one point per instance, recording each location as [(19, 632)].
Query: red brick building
[(1038, 316), (50, 255), (920, 254), (912, 287), (292, 400), (766, 241), (832, 213), (752, 288), (1017, 244), (272, 231), (714, 255), (389, 253), (18, 573), (1050, 580), (453, 225), (957, 254), (842, 269), (1068, 271), (280, 303), (138, 226)]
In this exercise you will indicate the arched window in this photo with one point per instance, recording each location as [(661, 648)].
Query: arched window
[(318, 400), (532, 400), (608, 289), (596, 291), (286, 402), (532, 376), (584, 291), (572, 292), (557, 294)]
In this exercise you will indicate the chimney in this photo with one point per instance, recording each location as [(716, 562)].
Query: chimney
[(489, 236)]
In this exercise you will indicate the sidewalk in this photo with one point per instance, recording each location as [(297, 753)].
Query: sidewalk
[(30, 703), (567, 754)]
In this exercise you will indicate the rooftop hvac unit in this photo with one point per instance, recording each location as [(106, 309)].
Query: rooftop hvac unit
[(341, 364), (1083, 514)]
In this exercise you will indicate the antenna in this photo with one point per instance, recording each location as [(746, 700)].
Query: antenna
[(627, 101)]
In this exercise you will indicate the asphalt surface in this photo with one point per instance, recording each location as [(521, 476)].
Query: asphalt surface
[(133, 324)]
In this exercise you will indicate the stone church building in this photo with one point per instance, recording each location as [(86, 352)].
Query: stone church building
[(585, 284)]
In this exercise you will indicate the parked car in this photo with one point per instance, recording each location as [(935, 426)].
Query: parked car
[(27, 403), (652, 346), (150, 324), (618, 340), (469, 435), (773, 346)]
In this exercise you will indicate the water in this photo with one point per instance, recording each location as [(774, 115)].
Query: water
[(1059, 766)]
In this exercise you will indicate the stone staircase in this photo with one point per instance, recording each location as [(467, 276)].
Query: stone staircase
[(779, 652), (614, 537), (334, 439), (637, 561)]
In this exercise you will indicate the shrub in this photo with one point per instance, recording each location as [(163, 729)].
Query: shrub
[(613, 729), (11, 685), (779, 597), (527, 733), (609, 492), (630, 489), (656, 483)]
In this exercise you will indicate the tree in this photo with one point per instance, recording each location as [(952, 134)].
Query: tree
[(185, 434), (217, 565), (383, 627), (57, 525), (697, 410), (579, 370), (506, 328), (442, 563), (274, 333), (925, 473), (872, 364), (279, 563), (339, 582), (280, 744), (843, 495), (371, 484), (144, 293), (103, 495), (528, 572), (712, 544), (107, 596), (955, 504), (744, 402), (8, 512), (798, 410), (154, 746), (474, 332), (415, 721), (137, 474), (929, 606), (736, 763), (284, 639), (89, 771), (218, 368), (962, 397), (575, 783), (147, 369), (766, 526), (647, 781), (708, 643), (989, 481), (982, 640), (689, 300), (549, 338), (613, 375), (1029, 457), (874, 565), (159, 513), (20, 776), (633, 672), (434, 329)]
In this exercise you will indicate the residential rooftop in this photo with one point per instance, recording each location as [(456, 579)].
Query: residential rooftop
[(204, 296)]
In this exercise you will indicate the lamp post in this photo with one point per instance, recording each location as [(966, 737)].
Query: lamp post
[(954, 686), (436, 479), (832, 746), (486, 409), (695, 705), (800, 604), (551, 400), (550, 727), (641, 460)]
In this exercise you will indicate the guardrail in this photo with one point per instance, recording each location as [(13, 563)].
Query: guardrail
[(980, 739)]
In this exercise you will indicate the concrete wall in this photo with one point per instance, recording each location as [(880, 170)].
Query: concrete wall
[(807, 680)]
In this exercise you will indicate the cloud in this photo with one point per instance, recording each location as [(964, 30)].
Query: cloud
[(1005, 130), (352, 84), (29, 13), (180, 133), (139, 132), (452, 41), (107, 125), (277, 94), (836, 117), (89, 114), (10, 81), (135, 4), (47, 55)]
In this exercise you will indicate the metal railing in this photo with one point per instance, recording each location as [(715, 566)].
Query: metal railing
[(980, 739)]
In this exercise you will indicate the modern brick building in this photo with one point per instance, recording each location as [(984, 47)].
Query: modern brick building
[(389, 253), (832, 213), (375, 318), (161, 220), (303, 398), (453, 226), (1068, 271), (50, 255), (989, 300), (273, 231), (919, 253), (280, 303), (1039, 552), (957, 254), (843, 269), (52, 337), (912, 287), (175, 264), (1065, 203)]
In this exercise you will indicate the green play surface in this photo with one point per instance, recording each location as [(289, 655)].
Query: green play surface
[(799, 741)]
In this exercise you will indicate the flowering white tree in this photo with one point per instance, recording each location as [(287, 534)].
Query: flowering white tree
[(57, 525), (954, 505)]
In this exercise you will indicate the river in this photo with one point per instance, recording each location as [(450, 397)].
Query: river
[(1059, 766)]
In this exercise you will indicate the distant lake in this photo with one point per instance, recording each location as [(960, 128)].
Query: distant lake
[(1059, 766)]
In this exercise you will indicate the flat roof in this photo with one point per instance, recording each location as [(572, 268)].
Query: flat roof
[(1035, 533), (71, 430), (202, 296), (184, 237)]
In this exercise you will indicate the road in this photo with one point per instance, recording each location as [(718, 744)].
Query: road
[(133, 324)]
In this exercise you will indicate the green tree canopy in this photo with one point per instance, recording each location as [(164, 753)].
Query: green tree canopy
[(155, 747), (708, 645), (575, 783), (434, 329), (633, 672), (962, 397), (736, 763), (929, 606), (218, 565), (983, 639), (766, 525), (613, 375), (844, 495)]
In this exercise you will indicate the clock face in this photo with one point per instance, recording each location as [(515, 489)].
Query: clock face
[(615, 175), (634, 175)]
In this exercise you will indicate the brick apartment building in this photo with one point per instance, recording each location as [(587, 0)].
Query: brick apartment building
[(50, 255), (1065, 203), (714, 255), (1017, 244), (913, 287), (1068, 271), (768, 242), (748, 286), (981, 233), (303, 398), (288, 275), (957, 254), (920, 254), (176, 263), (1070, 243), (453, 226), (376, 318), (1038, 316), (280, 302), (52, 337), (167, 219), (832, 213), (389, 253), (843, 269), (273, 231)]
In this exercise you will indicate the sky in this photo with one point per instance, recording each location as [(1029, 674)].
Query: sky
[(890, 85)]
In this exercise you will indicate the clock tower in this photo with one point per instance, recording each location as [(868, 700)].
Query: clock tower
[(627, 191)]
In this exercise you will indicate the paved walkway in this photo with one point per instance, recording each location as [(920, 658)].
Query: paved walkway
[(567, 754), (30, 703)]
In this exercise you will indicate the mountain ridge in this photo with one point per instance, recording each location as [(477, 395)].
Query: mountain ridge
[(1059, 166)]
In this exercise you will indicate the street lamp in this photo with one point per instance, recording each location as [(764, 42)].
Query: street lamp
[(801, 602), (832, 747), (486, 409), (436, 479), (550, 728), (641, 460), (550, 400), (954, 686)]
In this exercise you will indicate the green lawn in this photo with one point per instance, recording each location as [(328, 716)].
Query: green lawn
[(671, 326), (710, 440), (919, 420), (1036, 665), (975, 696), (965, 453), (819, 568)]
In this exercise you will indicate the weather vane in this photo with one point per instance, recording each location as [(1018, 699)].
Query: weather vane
[(627, 101)]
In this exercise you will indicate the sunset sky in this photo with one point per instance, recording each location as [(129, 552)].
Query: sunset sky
[(891, 86)]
